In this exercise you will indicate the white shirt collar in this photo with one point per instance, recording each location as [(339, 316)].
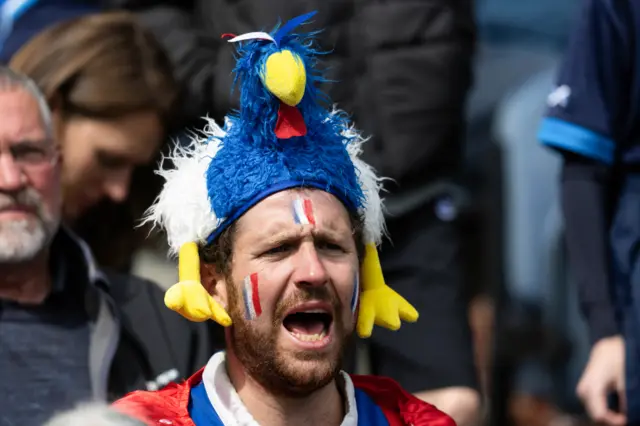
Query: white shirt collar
[(227, 404)]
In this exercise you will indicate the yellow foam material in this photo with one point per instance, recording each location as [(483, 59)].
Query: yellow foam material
[(188, 297), (379, 304), (285, 77)]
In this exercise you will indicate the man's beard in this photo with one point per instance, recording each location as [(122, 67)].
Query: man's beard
[(23, 239), (260, 356)]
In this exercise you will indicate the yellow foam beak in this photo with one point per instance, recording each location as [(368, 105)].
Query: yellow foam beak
[(285, 77), (379, 303), (188, 297)]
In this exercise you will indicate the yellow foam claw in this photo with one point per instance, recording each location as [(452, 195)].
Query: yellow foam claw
[(191, 300), (188, 297), (379, 303)]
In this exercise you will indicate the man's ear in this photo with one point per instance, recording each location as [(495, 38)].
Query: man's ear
[(214, 283)]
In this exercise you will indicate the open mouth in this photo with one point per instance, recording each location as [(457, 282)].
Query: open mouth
[(309, 325)]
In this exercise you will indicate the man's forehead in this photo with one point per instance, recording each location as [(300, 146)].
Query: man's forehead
[(20, 114), (290, 208)]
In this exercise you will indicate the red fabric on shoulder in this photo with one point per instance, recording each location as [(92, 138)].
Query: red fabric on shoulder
[(170, 403), (399, 406)]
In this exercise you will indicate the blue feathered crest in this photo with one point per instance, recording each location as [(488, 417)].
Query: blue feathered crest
[(253, 162)]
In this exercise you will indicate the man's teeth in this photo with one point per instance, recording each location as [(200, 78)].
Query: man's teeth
[(310, 337)]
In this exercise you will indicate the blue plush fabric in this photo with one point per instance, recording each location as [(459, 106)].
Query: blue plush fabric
[(253, 163)]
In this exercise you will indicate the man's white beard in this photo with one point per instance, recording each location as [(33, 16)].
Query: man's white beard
[(22, 240)]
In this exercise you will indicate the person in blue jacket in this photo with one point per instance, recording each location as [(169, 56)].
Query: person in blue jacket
[(593, 121)]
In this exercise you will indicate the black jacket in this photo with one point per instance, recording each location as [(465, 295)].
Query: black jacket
[(403, 69), (136, 342)]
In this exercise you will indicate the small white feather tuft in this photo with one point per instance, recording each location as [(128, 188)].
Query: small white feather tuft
[(183, 209), (371, 184)]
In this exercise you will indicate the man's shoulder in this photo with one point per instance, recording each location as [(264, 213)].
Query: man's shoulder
[(169, 404), (153, 407), (399, 406)]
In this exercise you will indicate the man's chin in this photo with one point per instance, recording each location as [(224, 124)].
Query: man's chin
[(308, 369), (22, 241), (303, 376)]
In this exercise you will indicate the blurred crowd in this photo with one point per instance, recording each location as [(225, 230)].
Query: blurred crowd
[(506, 129)]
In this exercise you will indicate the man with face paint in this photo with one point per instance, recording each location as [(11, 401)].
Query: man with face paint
[(276, 220)]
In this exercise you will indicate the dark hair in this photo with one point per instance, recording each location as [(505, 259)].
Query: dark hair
[(220, 252)]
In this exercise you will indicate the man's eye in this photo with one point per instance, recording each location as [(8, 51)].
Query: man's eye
[(29, 155), (282, 248), (111, 162), (329, 246)]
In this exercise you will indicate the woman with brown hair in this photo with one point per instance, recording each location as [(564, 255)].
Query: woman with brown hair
[(111, 90)]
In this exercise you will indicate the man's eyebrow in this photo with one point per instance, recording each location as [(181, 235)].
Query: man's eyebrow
[(330, 233), (271, 231), (31, 142)]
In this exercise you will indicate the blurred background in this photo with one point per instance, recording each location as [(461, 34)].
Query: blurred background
[(453, 93)]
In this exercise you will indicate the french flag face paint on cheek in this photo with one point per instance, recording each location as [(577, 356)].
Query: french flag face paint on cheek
[(252, 306), (356, 294), (303, 212)]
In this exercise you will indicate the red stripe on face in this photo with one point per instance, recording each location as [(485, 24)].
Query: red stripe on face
[(308, 211), (255, 296)]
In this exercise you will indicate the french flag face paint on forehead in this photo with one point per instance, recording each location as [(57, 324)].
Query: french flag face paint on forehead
[(303, 211), (252, 307)]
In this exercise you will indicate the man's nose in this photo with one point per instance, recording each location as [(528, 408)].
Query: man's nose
[(310, 269), (116, 186), (12, 177)]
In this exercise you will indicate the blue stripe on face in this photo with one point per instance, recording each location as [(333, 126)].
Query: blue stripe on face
[(356, 293)]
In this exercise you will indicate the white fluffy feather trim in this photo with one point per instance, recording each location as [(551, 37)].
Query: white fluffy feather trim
[(371, 184), (183, 209)]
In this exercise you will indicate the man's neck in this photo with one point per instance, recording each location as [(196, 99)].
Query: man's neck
[(324, 407), (28, 282)]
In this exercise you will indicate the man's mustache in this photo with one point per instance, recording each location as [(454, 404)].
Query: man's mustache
[(308, 294), (29, 198)]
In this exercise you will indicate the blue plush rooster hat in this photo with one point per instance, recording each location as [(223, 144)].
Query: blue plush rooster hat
[(283, 136)]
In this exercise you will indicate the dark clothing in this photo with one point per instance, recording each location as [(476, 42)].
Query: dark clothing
[(586, 182), (46, 350), (122, 336), (625, 240)]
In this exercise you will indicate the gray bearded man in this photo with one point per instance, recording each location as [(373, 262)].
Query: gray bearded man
[(68, 332)]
